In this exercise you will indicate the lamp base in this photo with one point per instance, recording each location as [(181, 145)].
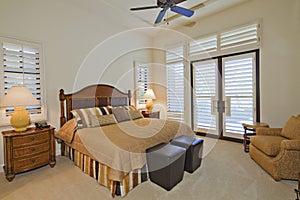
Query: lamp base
[(20, 119), (149, 105), (20, 129)]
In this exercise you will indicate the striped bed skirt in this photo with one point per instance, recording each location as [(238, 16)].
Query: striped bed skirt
[(100, 172)]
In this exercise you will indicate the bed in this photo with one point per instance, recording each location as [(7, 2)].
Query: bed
[(113, 153)]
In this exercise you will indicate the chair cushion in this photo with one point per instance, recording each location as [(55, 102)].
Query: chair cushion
[(291, 130), (270, 145)]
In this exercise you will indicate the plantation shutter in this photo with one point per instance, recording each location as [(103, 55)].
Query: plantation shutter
[(175, 83), (202, 46), (205, 95), (239, 90), (21, 65), (240, 37), (142, 79)]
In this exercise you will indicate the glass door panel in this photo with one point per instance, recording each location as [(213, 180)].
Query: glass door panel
[(239, 90), (205, 96)]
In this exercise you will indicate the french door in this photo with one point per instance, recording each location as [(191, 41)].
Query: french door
[(225, 93)]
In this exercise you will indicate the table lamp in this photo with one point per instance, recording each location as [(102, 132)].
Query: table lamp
[(149, 96), (19, 97)]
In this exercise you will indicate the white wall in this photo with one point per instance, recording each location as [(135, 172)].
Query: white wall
[(279, 56), (82, 45)]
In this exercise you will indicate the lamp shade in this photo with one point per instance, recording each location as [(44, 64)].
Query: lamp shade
[(149, 94), (18, 95)]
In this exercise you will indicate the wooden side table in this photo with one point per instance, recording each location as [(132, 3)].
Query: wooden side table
[(249, 130), (28, 150), (154, 114)]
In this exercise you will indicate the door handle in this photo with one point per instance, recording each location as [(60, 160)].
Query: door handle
[(227, 106)]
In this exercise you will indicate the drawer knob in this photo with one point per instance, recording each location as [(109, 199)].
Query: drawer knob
[(32, 138), (33, 160), (32, 149)]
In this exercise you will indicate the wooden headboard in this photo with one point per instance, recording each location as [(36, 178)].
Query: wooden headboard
[(91, 96)]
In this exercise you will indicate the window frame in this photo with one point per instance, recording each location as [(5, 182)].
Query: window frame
[(219, 48), (138, 97), (4, 118), (172, 115)]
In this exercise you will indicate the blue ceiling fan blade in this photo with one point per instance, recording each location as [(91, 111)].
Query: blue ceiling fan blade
[(160, 16), (182, 11)]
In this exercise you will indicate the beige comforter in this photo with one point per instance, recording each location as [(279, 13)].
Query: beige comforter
[(122, 146)]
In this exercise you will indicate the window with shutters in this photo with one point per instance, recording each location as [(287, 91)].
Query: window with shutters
[(175, 83), (240, 37), (203, 46), (142, 83), (225, 93), (22, 64)]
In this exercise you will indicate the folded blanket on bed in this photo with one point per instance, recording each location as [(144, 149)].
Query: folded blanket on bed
[(66, 133)]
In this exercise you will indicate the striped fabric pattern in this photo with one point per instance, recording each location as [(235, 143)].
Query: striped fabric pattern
[(100, 172), (131, 107), (86, 117)]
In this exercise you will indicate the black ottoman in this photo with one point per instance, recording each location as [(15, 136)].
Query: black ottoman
[(166, 165), (193, 148)]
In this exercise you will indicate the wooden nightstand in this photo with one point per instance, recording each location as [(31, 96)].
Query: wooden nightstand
[(27, 150), (154, 114)]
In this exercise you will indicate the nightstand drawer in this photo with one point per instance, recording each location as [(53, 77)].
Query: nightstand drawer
[(30, 139), (34, 149), (154, 115), (31, 163)]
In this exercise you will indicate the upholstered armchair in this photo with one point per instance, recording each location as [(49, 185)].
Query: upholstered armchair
[(277, 150)]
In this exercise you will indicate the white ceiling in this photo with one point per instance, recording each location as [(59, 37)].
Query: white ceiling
[(134, 19)]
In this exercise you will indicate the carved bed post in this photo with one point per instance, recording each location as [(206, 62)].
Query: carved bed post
[(62, 110), (62, 119), (129, 97)]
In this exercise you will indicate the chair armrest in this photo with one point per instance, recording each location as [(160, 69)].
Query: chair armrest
[(268, 131), (291, 145)]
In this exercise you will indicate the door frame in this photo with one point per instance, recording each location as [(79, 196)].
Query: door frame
[(220, 92)]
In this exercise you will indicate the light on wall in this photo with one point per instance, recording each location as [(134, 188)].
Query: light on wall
[(19, 97), (149, 96)]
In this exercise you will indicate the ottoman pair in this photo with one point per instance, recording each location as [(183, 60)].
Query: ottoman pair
[(167, 162)]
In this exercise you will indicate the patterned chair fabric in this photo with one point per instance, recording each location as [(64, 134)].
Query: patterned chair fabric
[(277, 150)]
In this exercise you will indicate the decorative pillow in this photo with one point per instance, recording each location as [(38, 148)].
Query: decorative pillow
[(291, 130), (132, 107), (121, 114), (109, 109), (135, 114), (104, 120), (86, 117), (105, 110)]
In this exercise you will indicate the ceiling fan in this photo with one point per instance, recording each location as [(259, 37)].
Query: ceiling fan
[(165, 5)]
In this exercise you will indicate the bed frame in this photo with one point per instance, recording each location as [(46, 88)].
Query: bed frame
[(96, 96), (91, 96)]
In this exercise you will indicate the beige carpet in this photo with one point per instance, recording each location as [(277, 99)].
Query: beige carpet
[(226, 173)]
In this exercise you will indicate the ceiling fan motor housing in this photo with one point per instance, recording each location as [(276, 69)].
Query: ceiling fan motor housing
[(167, 3)]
